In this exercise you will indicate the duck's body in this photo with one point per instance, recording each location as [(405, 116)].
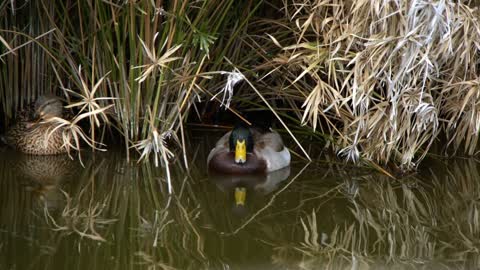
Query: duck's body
[(33, 134), (263, 152)]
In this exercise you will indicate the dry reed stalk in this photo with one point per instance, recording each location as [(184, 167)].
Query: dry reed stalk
[(384, 78)]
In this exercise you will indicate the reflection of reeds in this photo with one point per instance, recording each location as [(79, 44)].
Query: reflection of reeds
[(427, 220), (110, 203), (330, 217)]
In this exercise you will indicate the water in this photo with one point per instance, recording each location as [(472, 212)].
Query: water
[(115, 214)]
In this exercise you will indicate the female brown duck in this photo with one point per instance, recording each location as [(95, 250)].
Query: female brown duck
[(31, 133), (248, 151)]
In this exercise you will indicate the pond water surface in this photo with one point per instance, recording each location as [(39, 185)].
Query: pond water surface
[(117, 214)]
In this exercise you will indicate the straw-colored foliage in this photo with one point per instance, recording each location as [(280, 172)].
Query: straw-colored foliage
[(141, 56), (385, 78), (380, 79)]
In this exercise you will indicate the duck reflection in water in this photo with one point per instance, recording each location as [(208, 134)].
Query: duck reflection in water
[(246, 187), (40, 176)]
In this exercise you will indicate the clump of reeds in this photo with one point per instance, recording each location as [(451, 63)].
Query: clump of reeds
[(383, 78), (151, 59)]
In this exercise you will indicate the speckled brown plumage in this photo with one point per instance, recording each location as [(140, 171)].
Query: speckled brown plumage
[(35, 136)]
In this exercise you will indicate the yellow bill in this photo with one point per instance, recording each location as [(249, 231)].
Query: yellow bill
[(240, 195), (241, 151)]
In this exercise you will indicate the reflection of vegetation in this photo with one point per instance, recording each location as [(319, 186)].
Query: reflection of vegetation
[(117, 214), (409, 222)]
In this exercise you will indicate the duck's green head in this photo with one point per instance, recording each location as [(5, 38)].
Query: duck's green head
[(47, 107), (241, 142)]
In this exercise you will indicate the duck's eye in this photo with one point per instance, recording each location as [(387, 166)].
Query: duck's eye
[(240, 151)]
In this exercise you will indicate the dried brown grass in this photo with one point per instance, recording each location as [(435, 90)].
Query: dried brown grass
[(384, 78), (380, 79)]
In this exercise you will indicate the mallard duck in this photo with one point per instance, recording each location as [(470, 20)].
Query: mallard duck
[(32, 133), (248, 151)]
